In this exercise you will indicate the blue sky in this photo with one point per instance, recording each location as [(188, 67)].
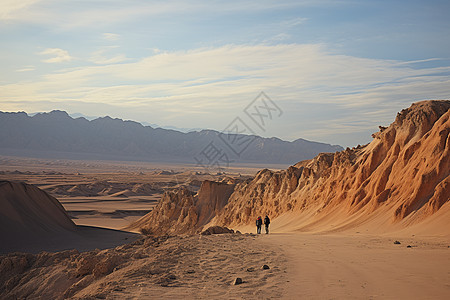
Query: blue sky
[(337, 69)]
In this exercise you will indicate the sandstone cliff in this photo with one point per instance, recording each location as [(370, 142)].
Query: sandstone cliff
[(399, 179), (182, 211)]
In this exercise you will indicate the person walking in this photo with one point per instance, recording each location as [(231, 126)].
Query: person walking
[(258, 225), (266, 223)]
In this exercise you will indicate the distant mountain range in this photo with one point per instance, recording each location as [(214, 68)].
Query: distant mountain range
[(153, 125), (58, 135)]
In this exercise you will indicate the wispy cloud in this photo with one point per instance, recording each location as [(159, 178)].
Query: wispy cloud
[(58, 55), (293, 22), (117, 11), (211, 82), (111, 36), (101, 57), (9, 8), (26, 69)]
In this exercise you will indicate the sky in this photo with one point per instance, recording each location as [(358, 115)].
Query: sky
[(335, 70)]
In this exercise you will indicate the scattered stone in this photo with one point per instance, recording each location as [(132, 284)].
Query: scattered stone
[(409, 246), (216, 230), (106, 265), (265, 267), (171, 277), (165, 281), (397, 243), (237, 281), (86, 264), (250, 269)]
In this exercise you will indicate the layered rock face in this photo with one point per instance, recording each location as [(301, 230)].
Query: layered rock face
[(403, 172), (402, 176)]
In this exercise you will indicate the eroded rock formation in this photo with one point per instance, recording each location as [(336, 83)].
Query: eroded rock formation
[(402, 175), (182, 211)]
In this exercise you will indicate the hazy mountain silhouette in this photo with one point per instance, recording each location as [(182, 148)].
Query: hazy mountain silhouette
[(57, 135)]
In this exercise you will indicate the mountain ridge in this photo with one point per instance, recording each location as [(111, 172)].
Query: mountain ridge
[(114, 138)]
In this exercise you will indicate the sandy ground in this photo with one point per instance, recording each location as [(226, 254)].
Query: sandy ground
[(363, 267), (85, 238), (207, 267), (301, 266), (190, 267), (108, 212)]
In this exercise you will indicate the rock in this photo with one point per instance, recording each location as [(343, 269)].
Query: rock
[(250, 269), (265, 267), (106, 265), (216, 230), (409, 246), (165, 281), (182, 211), (86, 264), (397, 243), (237, 281)]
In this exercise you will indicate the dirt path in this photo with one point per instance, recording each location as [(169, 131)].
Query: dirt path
[(190, 267), (363, 267)]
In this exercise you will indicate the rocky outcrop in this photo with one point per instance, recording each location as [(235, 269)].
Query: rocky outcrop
[(182, 211), (216, 230), (402, 176), (404, 171)]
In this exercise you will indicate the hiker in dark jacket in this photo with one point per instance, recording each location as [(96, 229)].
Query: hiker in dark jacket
[(267, 222), (258, 225)]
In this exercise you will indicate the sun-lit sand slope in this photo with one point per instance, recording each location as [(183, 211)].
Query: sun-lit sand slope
[(399, 180)]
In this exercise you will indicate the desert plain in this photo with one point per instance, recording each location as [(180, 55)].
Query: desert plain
[(353, 263)]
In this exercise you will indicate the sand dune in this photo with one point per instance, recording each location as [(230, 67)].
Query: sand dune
[(33, 221), (27, 210)]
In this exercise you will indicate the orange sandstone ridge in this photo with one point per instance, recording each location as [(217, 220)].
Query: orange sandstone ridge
[(181, 211), (400, 179)]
